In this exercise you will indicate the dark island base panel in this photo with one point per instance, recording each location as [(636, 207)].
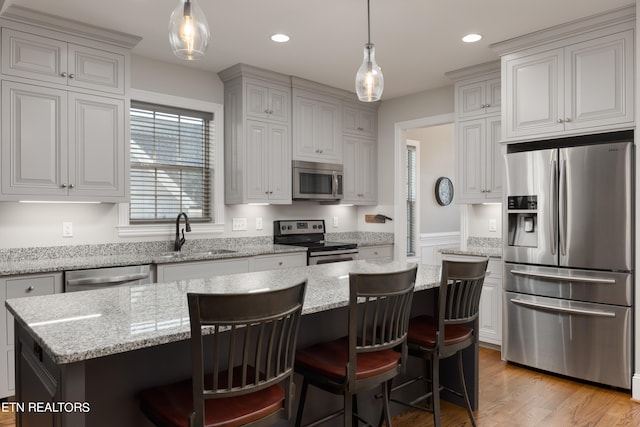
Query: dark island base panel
[(109, 385)]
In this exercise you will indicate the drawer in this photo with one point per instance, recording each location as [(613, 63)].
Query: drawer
[(27, 287), (274, 262), (373, 252)]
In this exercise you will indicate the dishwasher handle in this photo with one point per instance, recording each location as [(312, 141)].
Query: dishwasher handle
[(106, 280)]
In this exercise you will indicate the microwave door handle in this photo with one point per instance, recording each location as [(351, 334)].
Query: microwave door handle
[(335, 184), (553, 211)]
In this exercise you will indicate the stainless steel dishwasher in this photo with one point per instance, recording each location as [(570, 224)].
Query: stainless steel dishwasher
[(107, 277)]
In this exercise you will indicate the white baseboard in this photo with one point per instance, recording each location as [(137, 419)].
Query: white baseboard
[(432, 243)]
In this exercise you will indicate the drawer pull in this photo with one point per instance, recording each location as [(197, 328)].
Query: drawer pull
[(563, 309), (564, 278), (30, 289)]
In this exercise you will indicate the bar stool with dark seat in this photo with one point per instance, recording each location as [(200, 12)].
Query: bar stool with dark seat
[(379, 309), (254, 334), (449, 332)]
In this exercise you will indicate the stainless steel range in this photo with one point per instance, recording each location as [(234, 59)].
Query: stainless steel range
[(311, 234)]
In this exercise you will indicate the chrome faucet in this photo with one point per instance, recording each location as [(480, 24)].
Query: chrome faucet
[(180, 240)]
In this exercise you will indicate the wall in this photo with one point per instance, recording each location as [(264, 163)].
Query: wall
[(437, 158), (478, 220), (411, 107), (25, 225)]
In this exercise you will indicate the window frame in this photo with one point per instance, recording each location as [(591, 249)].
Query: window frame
[(416, 237), (124, 227)]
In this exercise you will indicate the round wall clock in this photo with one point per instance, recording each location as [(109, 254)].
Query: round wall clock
[(444, 191)]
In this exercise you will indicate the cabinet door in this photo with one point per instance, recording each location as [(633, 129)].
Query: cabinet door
[(34, 57), (34, 141), (201, 269), (495, 160), (279, 105), (257, 101), (357, 121), (359, 181), (534, 94), (275, 262), (257, 134), (97, 148), (318, 130), (490, 312), (471, 99), (278, 156), (599, 82), (493, 97), (95, 69), (471, 155)]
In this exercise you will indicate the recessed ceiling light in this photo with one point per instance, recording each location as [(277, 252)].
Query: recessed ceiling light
[(280, 38), (471, 38)]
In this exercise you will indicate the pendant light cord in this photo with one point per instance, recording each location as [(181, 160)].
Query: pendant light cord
[(368, 23)]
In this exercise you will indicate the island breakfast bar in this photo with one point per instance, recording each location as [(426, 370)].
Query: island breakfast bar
[(82, 357)]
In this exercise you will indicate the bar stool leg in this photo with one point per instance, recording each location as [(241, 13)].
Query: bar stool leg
[(464, 389), (303, 398)]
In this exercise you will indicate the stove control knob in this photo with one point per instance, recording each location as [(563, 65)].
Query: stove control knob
[(283, 227), (288, 227)]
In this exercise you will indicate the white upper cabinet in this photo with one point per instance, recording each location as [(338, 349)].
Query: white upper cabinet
[(581, 83), (479, 161), (360, 166), (479, 165), (359, 121), (478, 98), (65, 112), (268, 102), (257, 140), (54, 61)]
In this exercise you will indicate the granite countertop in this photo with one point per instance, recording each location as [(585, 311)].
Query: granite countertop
[(78, 326), (478, 246), (79, 257)]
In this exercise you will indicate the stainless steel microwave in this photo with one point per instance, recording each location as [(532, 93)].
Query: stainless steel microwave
[(317, 181)]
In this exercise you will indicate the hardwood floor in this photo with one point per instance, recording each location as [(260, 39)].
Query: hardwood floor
[(514, 396), (511, 396)]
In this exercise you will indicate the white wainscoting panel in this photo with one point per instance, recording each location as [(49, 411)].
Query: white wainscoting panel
[(432, 243)]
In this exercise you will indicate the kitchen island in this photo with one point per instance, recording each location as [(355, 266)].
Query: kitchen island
[(88, 354)]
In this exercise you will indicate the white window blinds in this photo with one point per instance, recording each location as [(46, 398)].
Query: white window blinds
[(170, 163), (411, 200)]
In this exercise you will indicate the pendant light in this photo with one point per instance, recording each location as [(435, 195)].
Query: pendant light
[(369, 80), (188, 30)]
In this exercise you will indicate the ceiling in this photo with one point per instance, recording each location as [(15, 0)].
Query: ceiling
[(416, 41)]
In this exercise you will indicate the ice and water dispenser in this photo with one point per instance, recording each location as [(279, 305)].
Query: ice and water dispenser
[(522, 212)]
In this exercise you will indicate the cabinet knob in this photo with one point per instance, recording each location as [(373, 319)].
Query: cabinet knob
[(63, 185), (72, 76), (560, 121), (360, 129), (487, 105), (567, 120), (30, 289), (280, 263), (71, 185), (63, 74)]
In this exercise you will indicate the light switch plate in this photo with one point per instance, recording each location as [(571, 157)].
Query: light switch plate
[(239, 224), (67, 229), (258, 223), (492, 225), (335, 222)]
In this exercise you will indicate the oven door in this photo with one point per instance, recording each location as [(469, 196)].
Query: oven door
[(326, 257)]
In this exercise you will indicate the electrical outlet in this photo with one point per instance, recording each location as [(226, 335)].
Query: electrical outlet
[(239, 224), (492, 225), (67, 229), (258, 223), (335, 222)]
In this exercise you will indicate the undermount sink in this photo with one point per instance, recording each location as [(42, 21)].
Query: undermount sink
[(179, 255)]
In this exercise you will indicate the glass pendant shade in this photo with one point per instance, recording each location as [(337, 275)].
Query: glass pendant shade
[(369, 80), (188, 31)]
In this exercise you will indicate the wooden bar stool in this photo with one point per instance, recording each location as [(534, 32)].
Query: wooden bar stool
[(448, 333), (251, 382), (379, 308)]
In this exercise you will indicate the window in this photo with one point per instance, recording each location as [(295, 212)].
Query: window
[(411, 199), (176, 165), (170, 163)]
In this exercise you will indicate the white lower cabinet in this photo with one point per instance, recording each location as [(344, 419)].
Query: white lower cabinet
[(18, 287), (382, 252), (199, 269), (490, 301)]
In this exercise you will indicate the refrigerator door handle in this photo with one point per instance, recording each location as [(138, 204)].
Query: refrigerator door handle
[(553, 212), (583, 279), (562, 203), (563, 309)]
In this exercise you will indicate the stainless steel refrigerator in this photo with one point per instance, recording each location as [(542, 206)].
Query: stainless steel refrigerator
[(568, 252)]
